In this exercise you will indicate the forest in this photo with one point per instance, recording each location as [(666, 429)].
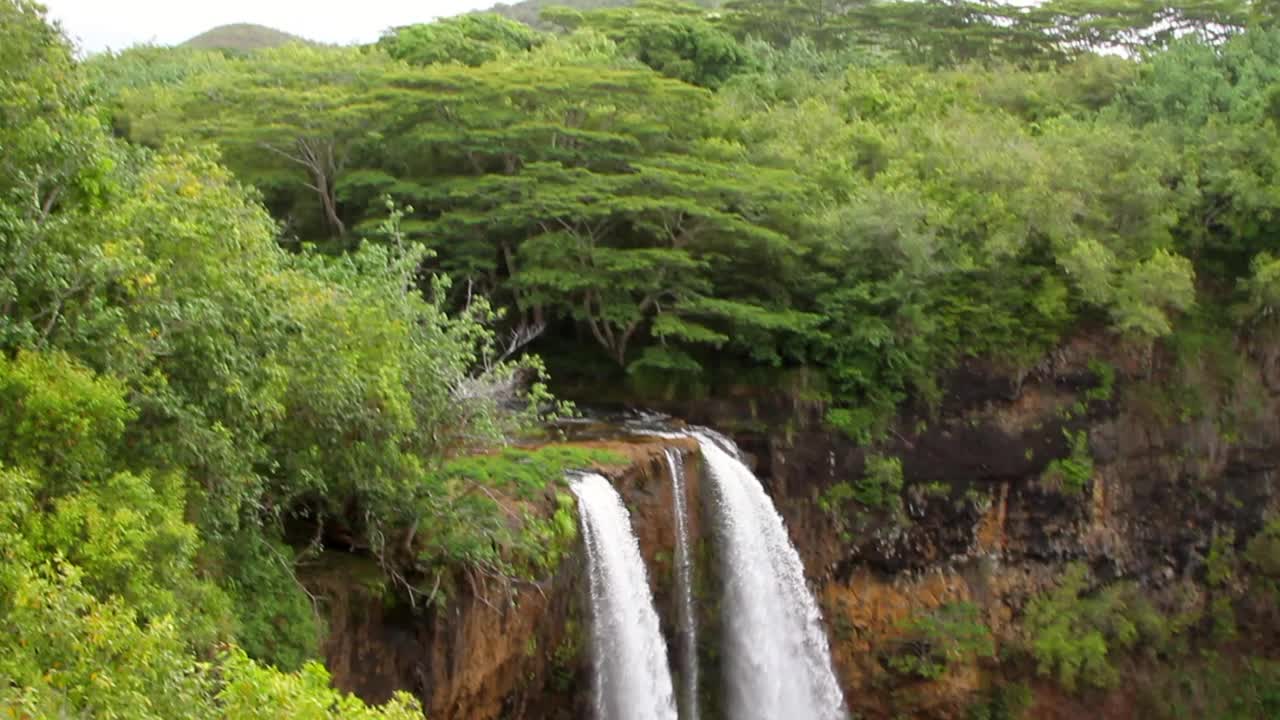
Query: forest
[(250, 299)]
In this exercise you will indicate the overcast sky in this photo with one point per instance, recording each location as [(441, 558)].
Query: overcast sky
[(100, 24)]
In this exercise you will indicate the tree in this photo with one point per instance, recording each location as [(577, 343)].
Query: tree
[(471, 39), (128, 83), (1097, 25), (56, 161), (674, 38), (284, 113), (561, 189), (948, 33), (824, 22), (1072, 632)]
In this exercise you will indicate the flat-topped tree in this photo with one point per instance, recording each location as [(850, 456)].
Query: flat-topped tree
[(472, 39), (1102, 25), (678, 39), (533, 12), (465, 147), (576, 191), (287, 119), (780, 22)]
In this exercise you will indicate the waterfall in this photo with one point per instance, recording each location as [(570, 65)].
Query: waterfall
[(778, 662), (687, 619), (632, 679)]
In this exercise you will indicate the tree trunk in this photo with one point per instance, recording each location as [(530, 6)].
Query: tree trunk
[(324, 188)]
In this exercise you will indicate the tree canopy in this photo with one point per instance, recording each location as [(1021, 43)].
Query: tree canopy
[(878, 190)]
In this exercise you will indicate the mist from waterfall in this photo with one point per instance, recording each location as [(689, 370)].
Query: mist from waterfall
[(778, 663), (632, 678), (687, 618)]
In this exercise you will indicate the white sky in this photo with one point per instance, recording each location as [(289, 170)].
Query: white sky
[(116, 24)]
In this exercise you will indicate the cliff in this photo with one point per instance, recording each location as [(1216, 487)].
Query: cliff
[(1141, 470), (1170, 460)]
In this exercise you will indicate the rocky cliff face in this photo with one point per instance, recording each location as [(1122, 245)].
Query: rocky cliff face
[(984, 519), (1172, 460)]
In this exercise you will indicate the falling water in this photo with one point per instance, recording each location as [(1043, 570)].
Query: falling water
[(632, 680), (684, 588), (779, 664)]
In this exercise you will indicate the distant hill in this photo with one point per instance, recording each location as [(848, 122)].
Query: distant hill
[(244, 37), (528, 11)]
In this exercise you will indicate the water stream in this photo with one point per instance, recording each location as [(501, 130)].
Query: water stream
[(632, 678), (686, 617), (778, 663)]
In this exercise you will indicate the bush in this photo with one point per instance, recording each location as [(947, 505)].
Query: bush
[(255, 692), (1218, 687), (1073, 636), (1005, 702), (58, 418), (880, 487), (1263, 550), (1072, 473), (932, 642), (487, 510)]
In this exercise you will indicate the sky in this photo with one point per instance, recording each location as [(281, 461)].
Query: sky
[(97, 25)]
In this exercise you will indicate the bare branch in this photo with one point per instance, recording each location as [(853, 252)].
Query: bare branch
[(522, 335), (47, 206)]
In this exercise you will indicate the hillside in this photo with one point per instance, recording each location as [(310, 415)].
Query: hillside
[(244, 37)]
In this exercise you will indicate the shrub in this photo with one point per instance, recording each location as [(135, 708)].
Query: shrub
[(1073, 635), (1263, 550), (1004, 702), (880, 487), (933, 641), (1072, 473)]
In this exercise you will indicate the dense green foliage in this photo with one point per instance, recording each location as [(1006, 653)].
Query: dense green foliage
[(844, 200), (879, 488), (1073, 636), (1218, 687), (531, 12), (467, 39), (177, 390), (1003, 702), (673, 38), (1205, 652), (488, 491)]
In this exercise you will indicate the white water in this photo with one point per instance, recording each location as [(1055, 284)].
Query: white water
[(632, 679), (684, 588), (778, 663)]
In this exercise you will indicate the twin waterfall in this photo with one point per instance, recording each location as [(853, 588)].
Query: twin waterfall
[(777, 663)]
